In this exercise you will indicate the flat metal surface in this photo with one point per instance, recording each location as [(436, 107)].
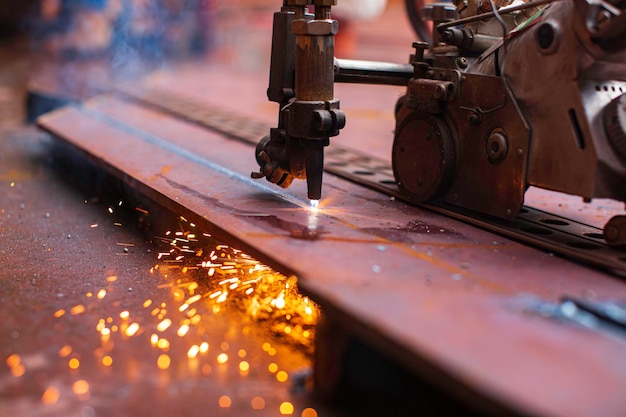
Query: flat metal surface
[(72, 260), (447, 300), (569, 237)]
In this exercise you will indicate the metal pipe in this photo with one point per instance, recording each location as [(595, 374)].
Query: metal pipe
[(372, 72)]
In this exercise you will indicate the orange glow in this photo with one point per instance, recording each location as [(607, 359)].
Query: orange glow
[(244, 366), (225, 401), (111, 278), (13, 360), (164, 325), (272, 367), (80, 387), (193, 351), (163, 362), (241, 353), (286, 408), (77, 309), (282, 376), (101, 294), (222, 358), (258, 403), (309, 412), (50, 396), (73, 363), (204, 347), (59, 313), (182, 330), (147, 303), (124, 315), (65, 351), (163, 344), (107, 361), (18, 370), (132, 329)]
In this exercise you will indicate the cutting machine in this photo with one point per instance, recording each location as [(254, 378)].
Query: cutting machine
[(503, 96)]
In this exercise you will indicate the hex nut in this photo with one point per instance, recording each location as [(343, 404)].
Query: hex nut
[(315, 27)]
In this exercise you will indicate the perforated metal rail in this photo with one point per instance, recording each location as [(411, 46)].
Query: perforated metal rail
[(535, 227)]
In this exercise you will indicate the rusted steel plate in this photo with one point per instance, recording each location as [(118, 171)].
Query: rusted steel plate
[(449, 301)]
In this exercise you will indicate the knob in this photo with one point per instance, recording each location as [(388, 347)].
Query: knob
[(615, 124)]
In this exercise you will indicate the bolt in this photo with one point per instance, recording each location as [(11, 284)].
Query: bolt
[(497, 146), (474, 118), (440, 91), (462, 63)]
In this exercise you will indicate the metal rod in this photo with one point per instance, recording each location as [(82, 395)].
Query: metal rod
[(372, 72), (482, 16)]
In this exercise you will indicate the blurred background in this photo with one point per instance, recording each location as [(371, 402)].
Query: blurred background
[(74, 48)]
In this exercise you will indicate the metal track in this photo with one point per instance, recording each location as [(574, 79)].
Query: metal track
[(535, 227)]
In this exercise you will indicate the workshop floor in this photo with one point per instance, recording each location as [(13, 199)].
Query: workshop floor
[(94, 322)]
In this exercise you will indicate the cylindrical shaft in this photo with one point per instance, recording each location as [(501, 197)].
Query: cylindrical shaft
[(315, 67)]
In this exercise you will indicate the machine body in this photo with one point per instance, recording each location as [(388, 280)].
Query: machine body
[(505, 96)]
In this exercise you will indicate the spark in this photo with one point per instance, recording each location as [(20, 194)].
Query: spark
[(107, 361), (80, 387), (65, 351), (73, 363), (193, 299), (50, 396), (258, 403), (222, 358), (163, 344), (182, 330), (132, 329), (101, 294), (282, 376), (164, 324), (314, 205), (286, 408), (193, 351), (225, 401), (77, 309), (309, 412), (163, 361), (59, 313), (18, 370), (13, 360)]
